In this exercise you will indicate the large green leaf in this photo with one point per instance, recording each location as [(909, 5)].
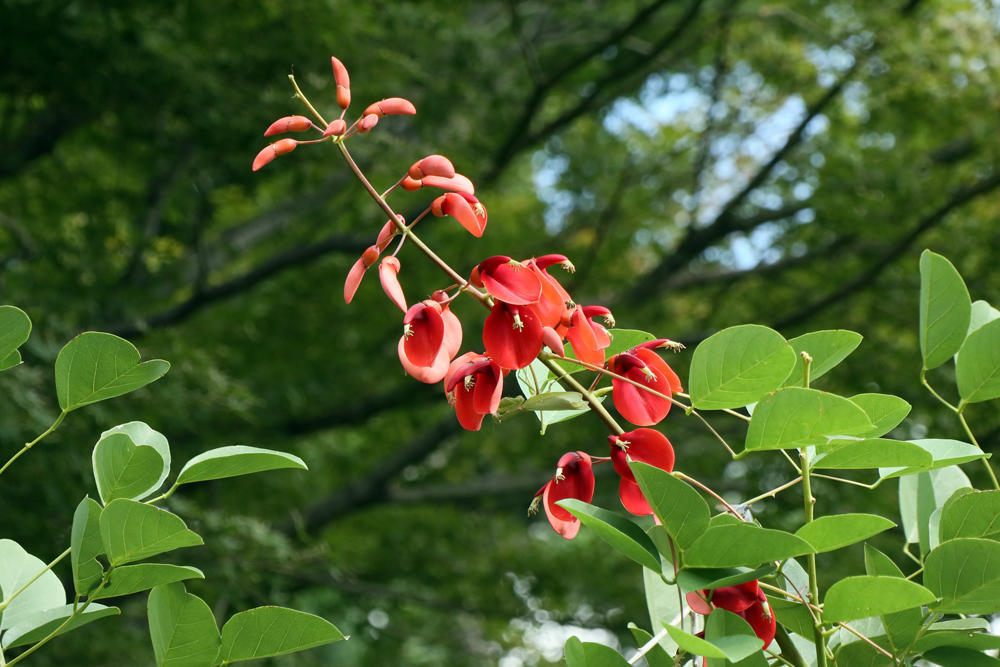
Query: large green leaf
[(743, 544), (901, 627), (134, 531), (945, 308), (943, 453), (590, 654), (236, 460), (827, 349), (980, 641), (683, 511), (865, 595), (123, 469), (884, 410), (182, 628), (873, 453), (86, 545), (97, 366), (739, 365), (965, 574), (17, 568), (737, 639), (794, 417), (129, 579), (977, 366), (621, 533), (974, 514), (730, 647), (956, 656), (38, 625), (15, 327), (835, 531), (267, 631)]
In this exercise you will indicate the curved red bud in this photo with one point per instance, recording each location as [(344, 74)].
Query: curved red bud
[(411, 184), (343, 81), (552, 341), (279, 147), (388, 275), (432, 165), (289, 124), (457, 183), (391, 106), (336, 128), (354, 277), (367, 123)]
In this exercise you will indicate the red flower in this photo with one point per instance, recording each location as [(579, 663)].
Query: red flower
[(587, 337), (468, 210), (388, 274), (552, 303), (423, 332), (357, 271), (507, 280), (474, 383), (445, 350), (745, 600), (644, 445), (574, 478), (642, 365), (512, 335)]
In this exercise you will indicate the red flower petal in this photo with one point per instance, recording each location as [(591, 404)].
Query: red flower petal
[(423, 332), (509, 281), (456, 183), (512, 335), (432, 165), (647, 368), (736, 598), (632, 498), (574, 479), (354, 277), (645, 445), (761, 619), (388, 275), (427, 374), (457, 207)]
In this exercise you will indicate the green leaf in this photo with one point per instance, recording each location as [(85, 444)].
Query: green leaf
[(874, 453), (731, 647), (626, 339), (697, 578), (124, 470), (141, 434), (17, 568), (134, 531), (827, 349), (86, 545), (694, 645), (864, 596), (885, 411), (743, 544), (945, 309), (792, 615), (96, 366), (683, 511), (38, 625), (268, 631), (663, 604), (965, 574), (739, 365), (181, 627), (735, 637), (621, 533), (555, 400), (15, 327), (974, 514), (901, 627), (129, 579), (943, 453), (980, 641), (953, 656), (977, 366), (235, 460), (589, 654), (828, 533), (921, 494), (655, 656), (982, 313), (795, 417)]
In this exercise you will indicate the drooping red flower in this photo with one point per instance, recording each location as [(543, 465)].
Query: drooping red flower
[(451, 341), (574, 478), (357, 271), (745, 600), (512, 335), (588, 338), (423, 332), (460, 206), (474, 383), (642, 365), (388, 274), (553, 301), (646, 446), (508, 280)]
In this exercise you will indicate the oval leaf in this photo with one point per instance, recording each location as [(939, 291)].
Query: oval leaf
[(37, 626), (875, 453), (864, 596), (86, 545), (743, 544), (235, 460), (884, 410), (977, 366), (739, 365), (555, 400), (965, 574), (134, 531), (267, 631), (17, 568), (944, 453), (681, 509), (794, 417), (141, 434), (945, 308), (827, 349), (181, 627), (975, 514), (835, 531), (129, 579), (96, 366), (15, 327), (621, 533), (734, 636), (124, 470)]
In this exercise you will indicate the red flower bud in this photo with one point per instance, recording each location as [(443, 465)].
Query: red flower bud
[(367, 123), (335, 128), (385, 235), (390, 107), (411, 184), (289, 124), (343, 82), (279, 147), (432, 165), (456, 183)]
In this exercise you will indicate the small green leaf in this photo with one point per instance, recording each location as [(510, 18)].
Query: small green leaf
[(697, 578), (97, 366), (129, 579), (683, 511), (621, 533), (141, 434), (863, 596), (885, 411), (235, 460), (17, 568), (556, 400), (977, 366), (828, 533), (954, 656), (743, 544), (134, 531), (38, 625), (589, 654), (793, 417), (626, 339), (982, 313), (792, 615), (692, 644), (124, 470), (181, 627), (974, 514), (536, 379), (731, 647), (86, 545), (739, 365), (15, 327), (735, 637), (965, 574), (945, 309), (943, 453), (827, 349), (269, 631), (874, 453)]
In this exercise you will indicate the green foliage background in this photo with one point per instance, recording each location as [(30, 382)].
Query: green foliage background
[(704, 163)]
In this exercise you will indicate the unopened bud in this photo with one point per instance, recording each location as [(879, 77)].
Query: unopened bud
[(367, 123), (343, 82), (410, 184), (336, 128), (288, 124), (391, 106), (279, 147)]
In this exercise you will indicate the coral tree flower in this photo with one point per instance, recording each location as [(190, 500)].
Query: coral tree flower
[(474, 384), (588, 338), (745, 600), (468, 210), (508, 280), (574, 478), (551, 306), (642, 365), (647, 446), (512, 335), (424, 354)]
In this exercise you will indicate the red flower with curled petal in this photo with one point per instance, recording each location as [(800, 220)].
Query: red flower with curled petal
[(642, 365), (423, 332), (388, 274), (745, 600), (474, 384), (588, 338), (450, 342), (507, 280), (461, 208), (646, 446), (552, 302), (512, 335), (574, 478)]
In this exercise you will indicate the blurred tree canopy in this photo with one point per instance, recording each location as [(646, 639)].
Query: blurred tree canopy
[(703, 162)]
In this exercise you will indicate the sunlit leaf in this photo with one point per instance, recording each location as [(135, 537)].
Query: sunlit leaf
[(97, 366), (945, 308), (181, 627), (268, 631), (621, 533), (738, 366), (863, 596)]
